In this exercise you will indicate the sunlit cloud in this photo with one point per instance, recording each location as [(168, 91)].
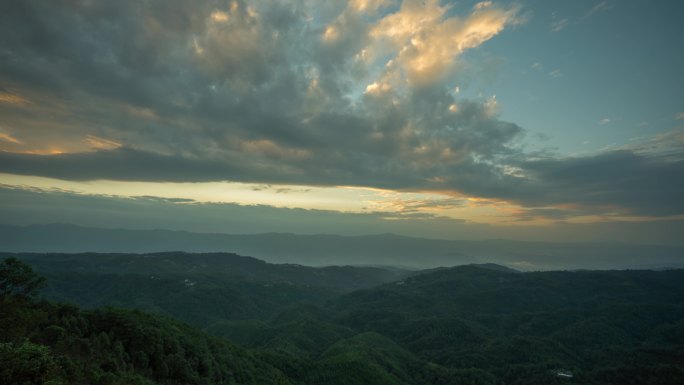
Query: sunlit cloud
[(331, 33), (9, 138), (369, 6), (101, 143), (12, 98), (219, 16), (427, 42)]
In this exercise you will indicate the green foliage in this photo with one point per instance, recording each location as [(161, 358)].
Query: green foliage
[(208, 288), (465, 325), (28, 364), (110, 346), (17, 279), (227, 266), (524, 328), (201, 300), (18, 285), (366, 358)]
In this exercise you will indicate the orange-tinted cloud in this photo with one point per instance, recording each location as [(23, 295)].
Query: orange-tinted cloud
[(426, 42)]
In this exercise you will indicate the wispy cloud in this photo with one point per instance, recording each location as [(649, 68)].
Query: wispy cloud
[(556, 74), (13, 98), (101, 143), (604, 121), (559, 25), (679, 116), (9, 138), (600, 7), (548, 213)]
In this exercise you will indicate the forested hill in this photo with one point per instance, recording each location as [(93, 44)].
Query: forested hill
[(198, 288), (224, 265), (602, 327), (464, 325)]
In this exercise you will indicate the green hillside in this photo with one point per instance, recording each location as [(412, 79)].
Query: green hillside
[(478, 324), (207, 288), (599, 324)]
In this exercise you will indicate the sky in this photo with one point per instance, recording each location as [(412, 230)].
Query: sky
[(535, 120)]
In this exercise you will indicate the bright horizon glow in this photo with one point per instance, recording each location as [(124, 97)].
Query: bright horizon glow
[(342, 199)]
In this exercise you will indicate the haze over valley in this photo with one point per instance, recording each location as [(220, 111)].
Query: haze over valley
[(367, 250)]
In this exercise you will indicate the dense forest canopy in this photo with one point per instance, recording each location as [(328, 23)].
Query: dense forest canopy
[(250, 322)]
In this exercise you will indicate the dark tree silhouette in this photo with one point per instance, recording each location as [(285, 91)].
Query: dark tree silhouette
[(17, 279)]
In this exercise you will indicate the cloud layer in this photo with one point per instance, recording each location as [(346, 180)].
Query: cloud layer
[(36, 206), (299, 92)]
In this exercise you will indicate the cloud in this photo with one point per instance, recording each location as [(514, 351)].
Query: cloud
[(559, 25), (645, 180), (369, 6), (33, 206), (618, 182), (101, 143), (600, 7), (557, 214), (151, 212), (9, 138), (679, 116), (120, 164), (556, 74), (246, 91), (11, 98), (604, 121), (411, 149), (255, 92), (423, 42)]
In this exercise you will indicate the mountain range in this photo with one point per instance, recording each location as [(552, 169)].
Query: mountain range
[(326, 250), (220, 318)]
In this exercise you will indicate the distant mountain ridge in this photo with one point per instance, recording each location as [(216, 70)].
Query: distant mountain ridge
[(224, 265), (325, 250), (206, 288)]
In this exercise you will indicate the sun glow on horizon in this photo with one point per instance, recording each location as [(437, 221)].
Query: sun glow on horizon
[(391, 204)]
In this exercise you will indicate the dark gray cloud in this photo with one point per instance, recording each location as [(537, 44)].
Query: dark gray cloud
[(614, 183), (260, 92), (618, 181)]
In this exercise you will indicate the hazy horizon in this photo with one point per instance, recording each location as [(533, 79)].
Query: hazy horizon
[(337, 250), (676, 242)]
